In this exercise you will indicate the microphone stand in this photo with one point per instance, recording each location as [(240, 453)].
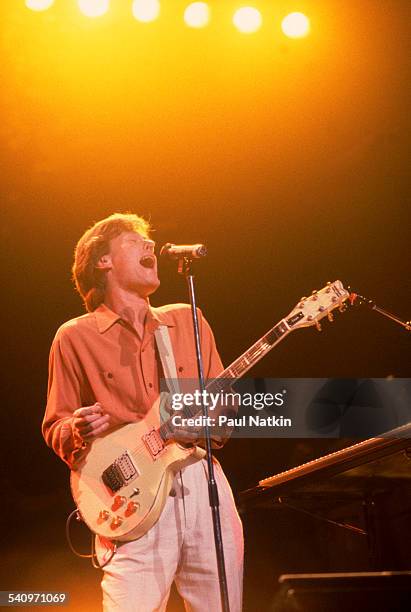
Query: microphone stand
[(385, 313), (184, 268)]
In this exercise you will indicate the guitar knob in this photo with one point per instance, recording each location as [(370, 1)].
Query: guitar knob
[(116, 522), (330, 317), (104, 515), (131, 508), (118, 501), (318, 325)]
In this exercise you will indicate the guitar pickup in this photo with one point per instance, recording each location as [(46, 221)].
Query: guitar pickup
[(154, 442), (120, 472)]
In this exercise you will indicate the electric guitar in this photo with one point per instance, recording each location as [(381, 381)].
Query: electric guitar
[(121, 485)]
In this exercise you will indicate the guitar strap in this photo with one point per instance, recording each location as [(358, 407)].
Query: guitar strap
[(165, 351), (170, 372)]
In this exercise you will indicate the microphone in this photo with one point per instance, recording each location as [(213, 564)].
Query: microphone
[(178, 251)]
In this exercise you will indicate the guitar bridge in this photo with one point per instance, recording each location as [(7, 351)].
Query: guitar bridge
[(120, 472)]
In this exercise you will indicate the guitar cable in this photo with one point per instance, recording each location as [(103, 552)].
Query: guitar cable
[(93, 556)]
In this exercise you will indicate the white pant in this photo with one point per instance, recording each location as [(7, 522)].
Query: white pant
[(180, 547)]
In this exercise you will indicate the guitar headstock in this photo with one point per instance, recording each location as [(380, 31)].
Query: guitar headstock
[(310, 310)]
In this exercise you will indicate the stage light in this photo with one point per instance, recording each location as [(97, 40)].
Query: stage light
[(296, 25), (39, 5), (93, 8), (146, 10), (197, 15), (247, 19)]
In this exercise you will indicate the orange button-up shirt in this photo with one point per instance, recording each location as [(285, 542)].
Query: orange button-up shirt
[(99, 357)]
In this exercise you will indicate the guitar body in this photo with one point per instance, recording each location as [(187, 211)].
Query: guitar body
[(146, 469)]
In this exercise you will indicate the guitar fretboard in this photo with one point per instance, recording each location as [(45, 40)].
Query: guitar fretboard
[(235, 371)]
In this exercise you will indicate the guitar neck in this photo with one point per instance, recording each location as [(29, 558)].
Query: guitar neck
[(251, 356), (236, 370), (307, 312)]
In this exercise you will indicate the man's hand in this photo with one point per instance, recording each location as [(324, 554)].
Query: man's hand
[(184, 435), (90, 422)]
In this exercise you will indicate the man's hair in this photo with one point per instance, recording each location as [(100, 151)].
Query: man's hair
[(90, 281)]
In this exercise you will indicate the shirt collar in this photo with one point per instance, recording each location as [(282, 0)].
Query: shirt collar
[(105, 318)]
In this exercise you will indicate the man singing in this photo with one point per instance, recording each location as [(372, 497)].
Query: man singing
[(104, 371)]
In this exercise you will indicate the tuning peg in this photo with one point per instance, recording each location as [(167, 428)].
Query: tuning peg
[(330, 317), (342, 308), (318, 325)]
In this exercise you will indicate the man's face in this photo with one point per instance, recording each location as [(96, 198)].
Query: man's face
[(131, 264)]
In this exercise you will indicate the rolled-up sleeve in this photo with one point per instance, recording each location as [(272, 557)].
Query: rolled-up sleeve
[(63, 397)]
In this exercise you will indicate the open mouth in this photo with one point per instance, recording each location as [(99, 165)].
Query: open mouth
[(148, 261)]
